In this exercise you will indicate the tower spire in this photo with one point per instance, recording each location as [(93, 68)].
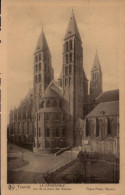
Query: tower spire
[(96, 77), (42, 43), (72, 27), (96, 63)]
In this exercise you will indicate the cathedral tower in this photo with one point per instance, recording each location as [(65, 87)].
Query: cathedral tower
[(43, 71), (96, 78), (75, 83), (74, 78)]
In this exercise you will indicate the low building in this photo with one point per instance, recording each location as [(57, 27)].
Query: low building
[(101, 133)]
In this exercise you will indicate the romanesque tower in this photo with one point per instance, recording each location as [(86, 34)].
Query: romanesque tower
[(96, 78), (75, 83), (74, 78), (43, 71)]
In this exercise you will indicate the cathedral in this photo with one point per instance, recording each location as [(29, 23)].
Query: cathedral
[(55, 114)]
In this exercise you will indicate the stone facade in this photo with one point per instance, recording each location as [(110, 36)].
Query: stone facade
[(101, 133), (21, 123)]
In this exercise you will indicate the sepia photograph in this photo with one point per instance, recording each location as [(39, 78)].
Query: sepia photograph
[(63, 93)]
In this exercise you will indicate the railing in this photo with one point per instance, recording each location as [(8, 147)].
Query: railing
[(62, 150), (60, 167)]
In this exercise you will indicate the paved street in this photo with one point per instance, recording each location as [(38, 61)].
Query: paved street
[(38, 163)]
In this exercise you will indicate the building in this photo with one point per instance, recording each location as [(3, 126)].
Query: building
[(21, 123), (57, 110), (102, 129)]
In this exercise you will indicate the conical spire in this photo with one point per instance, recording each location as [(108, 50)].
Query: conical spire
[(96, 63), (72, 28), (42, 43)]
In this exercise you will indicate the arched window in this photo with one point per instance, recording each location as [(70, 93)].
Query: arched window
[(47, 116), (64, 132), (97, 128), (88, 124), (39, 66), (66, 58), (23, 128), (40, 90), (39, 77), (57, 132), (70, 57), (28, 128), (47, 132), (87, 128), (36, 58), (69, 80), (54, 103), (39, 56), (36, 67), (70, 69), (66, 81), (60, 104), (66, 46), (66, 70), (42, 105), (48, 104), (70, 43), (109, 126), (39, 132)]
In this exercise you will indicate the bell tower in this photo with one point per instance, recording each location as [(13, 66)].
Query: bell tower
[(96, 78), (43, 71), (75, 83)]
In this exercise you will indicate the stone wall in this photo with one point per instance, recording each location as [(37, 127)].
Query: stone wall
[(107, 147)]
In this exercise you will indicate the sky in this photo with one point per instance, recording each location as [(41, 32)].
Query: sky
[(98, 24)]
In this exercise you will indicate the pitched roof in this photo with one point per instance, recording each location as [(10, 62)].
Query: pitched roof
[(105, 108), (96, 63), (107, 96), (53, 90), (42, 43), (72, 28)]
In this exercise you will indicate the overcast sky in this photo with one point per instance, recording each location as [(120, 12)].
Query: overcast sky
[(98, 25)]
